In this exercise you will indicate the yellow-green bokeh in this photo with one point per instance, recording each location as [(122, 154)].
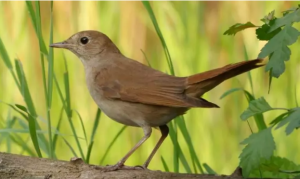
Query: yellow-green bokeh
[(194, 34)]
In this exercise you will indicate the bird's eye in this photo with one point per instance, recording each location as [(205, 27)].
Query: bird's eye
[(84, 40)]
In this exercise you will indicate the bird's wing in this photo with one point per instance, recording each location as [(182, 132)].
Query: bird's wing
[(147, 86)]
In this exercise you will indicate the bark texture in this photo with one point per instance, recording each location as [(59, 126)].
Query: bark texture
[(23, 167)]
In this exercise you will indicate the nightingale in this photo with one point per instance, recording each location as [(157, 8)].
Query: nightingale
[(134, 94)]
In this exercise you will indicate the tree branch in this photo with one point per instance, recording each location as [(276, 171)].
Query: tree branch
[(17, 166)]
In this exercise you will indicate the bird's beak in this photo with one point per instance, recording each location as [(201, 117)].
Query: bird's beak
[(63, 44)]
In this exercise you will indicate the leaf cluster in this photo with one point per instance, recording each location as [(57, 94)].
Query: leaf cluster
[(257, 158), (279, 33)]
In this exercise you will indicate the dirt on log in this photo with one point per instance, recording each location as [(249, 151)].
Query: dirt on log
[(14, 166)]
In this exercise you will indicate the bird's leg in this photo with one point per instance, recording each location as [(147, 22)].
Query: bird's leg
[(164, 133), (147, 133)]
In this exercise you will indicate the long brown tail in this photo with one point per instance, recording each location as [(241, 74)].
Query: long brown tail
[(200, 83)]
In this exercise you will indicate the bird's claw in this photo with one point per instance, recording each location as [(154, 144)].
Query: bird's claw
[(143, 167), (115, 167), (121, 166)]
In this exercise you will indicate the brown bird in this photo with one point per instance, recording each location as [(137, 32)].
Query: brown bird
[(134, 94)]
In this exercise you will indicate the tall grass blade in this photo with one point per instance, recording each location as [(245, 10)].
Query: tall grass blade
[(55, 137), (173, 129), (82, 126), (160, 35), (17, 110), (39, 28), (50, 84), (70, 147), (164, 164), (28, 100), (111, 144), (173, 136), (148, 62), (36, 21), (209, 169), (296, 101), (23, 144), (178, 154), (248, 73), (258, 118), (9, 124), (67, 92), (95, 127), (187, 138), (69, 113), (7, 62), (32, 14), (5, 56), (89, 151)]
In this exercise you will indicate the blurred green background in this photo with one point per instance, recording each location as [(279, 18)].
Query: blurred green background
[(194, 34)]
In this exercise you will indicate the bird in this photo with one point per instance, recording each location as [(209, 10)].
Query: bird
[(134, 94)]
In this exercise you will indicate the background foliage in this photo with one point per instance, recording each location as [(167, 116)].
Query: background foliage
[(193, 32)]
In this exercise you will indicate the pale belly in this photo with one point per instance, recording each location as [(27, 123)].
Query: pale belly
[(137, 114)]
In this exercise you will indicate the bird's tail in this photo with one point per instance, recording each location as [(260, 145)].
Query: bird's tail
[(198, 84)]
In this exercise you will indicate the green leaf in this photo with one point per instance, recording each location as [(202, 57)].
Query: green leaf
[(238, 27), (268, 17), (259, 118), (277, 46), (278, 118), (293, 119), (262, 33), (21, 107), (257, 106), (289, 10), (276, 167), (258, 146), (286, 20)]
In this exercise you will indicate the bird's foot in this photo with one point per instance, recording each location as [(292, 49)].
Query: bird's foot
[(121, 166), (115, 167), (140, 167)]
